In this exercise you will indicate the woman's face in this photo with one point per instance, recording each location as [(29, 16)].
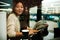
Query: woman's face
[(19, 8)]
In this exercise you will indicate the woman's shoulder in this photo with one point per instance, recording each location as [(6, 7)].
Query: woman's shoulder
[(12, 15)]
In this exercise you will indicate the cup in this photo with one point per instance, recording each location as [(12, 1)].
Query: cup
[(25, 33)]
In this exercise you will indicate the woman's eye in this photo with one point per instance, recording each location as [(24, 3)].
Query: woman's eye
[(21, 7)]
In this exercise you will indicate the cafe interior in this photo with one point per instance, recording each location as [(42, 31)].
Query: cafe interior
[(37, 11)]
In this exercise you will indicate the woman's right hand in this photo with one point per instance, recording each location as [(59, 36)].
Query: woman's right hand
[(19, 34)]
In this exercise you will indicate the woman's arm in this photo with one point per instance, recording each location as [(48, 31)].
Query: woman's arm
[(19, 34), (29, 28), (32, 31), (11, 27)]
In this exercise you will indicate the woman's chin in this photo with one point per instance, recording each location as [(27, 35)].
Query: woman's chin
[(19, 13)]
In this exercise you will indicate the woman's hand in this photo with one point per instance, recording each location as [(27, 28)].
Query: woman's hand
[(31, 32), (35, 31), (29, 28), (19, 34)]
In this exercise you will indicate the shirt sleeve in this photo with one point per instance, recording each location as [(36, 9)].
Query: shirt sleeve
[(11, 27)]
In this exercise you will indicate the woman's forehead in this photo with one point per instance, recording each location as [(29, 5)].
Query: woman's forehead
[(19, 4)]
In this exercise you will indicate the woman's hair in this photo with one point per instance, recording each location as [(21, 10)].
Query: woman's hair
[(14, 5)]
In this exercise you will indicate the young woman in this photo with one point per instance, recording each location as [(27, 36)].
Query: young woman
[(13, 23)]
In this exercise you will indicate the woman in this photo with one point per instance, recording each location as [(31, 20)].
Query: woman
[(13, 24)]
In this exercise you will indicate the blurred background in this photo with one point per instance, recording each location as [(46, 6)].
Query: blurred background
[(47, 10)]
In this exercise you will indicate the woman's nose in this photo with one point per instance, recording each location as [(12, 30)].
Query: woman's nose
[(19, 8)]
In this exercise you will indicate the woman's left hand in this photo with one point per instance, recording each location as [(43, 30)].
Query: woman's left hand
[(35, 31), (32, 32)]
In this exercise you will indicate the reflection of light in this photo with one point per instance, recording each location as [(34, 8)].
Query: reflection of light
[(51, 16), (55, 17), (33, 17), (9, 9), (33, 10), (4, 4)]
